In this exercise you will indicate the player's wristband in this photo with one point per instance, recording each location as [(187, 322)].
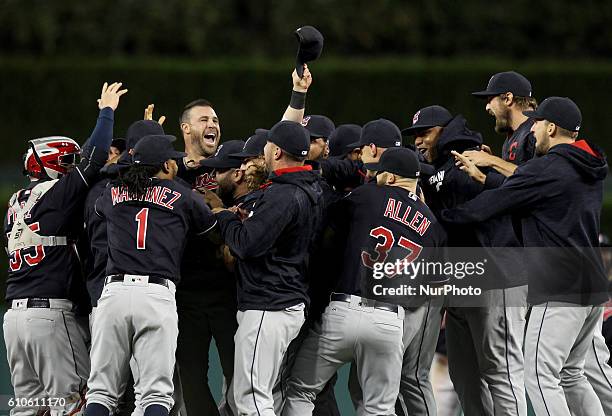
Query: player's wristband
[(298, 100)]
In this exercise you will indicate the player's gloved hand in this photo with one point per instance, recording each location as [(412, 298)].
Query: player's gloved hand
[(302, 84), (466, 164), (479, 157), (148, 114), (110, 95)]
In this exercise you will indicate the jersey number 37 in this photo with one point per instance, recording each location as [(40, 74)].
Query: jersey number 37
[(386, 240)]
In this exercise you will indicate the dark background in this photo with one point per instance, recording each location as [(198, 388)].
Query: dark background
[(381, 59)]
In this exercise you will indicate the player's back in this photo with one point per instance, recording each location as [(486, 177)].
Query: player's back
[(384, 224), (146, 236)]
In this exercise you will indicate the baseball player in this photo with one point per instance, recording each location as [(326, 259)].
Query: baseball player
[(559, 196), (339, 149), (271, 249), (508, 94), (148, 216), (96, 258), (360, 322), (320, 128), (483, 342), (46, 347)]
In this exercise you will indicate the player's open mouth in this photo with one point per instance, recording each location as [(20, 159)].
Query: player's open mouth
[(210, 138), (423, 150)]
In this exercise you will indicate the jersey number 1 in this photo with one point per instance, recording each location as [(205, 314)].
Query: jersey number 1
[(142, 219)]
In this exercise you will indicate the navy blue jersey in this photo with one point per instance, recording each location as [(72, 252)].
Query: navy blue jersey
[(202, 177), (147, 237), (519, 147), (54, 271), (94, 261), (383, 224)]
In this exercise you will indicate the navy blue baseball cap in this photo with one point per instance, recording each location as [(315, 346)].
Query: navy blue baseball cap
[(503, 82), (254, 145), (222, 159), (399, 161), (290, 136), (318, 126), (340, 140), (155, 149), (141, 128), (382, 133), (559, 110), (428, 117), (310, 47), (119, 143)]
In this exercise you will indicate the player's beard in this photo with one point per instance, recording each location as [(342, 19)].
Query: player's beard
[(197, 143), (256, 175), (226, 192), (502, 122)]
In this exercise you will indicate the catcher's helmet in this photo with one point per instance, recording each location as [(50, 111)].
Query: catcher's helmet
[(56, 154)]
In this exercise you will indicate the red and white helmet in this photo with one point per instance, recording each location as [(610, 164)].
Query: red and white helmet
[(56, 154)]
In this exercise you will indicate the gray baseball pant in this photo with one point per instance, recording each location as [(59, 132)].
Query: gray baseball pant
[(597, 370), (556, 344), (416, 392), (261, 343), (488, 341), (135, 321), (47, 354), (347, 331)]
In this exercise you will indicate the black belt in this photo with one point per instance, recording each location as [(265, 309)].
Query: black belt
[(113, 278), (342, 297), (38, 303)]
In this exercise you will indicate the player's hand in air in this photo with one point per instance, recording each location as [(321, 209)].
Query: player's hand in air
[(148, 114), (110, 95), (302, 84)]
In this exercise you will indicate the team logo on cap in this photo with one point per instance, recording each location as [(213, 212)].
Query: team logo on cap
[(577, 128), (416, 117), (304, 152), (218, 150), (305, 121), (398, 144)]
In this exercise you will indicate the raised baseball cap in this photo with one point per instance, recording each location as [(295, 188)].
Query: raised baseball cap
[(342, 137), (153, 150), (140, 129), (318, 126), (382, 133), (428, 117), (222, 159), (310, 47), (559, 110), (290, 136), (253, 146), (503, 82), (399, 161)]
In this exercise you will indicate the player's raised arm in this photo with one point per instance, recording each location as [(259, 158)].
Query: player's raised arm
[(295, 110), (95, 150)]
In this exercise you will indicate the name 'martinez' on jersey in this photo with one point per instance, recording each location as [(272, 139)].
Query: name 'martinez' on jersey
[(158, 195)]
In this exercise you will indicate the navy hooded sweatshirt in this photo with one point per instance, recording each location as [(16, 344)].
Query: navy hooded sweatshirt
[(558, 197), (448, 187), (272, 245)]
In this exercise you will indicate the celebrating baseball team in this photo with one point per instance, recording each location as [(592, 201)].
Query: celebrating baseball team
[(128, 257)]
